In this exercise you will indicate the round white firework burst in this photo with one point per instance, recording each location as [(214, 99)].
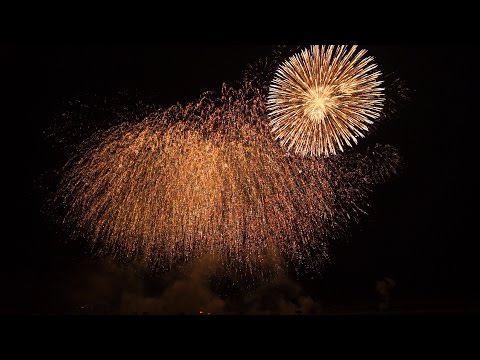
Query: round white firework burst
[(323, 99)]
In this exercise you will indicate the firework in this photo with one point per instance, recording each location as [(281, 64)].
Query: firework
[(323, 99), (208, 178)]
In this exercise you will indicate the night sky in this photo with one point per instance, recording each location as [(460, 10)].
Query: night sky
[(416, 232)]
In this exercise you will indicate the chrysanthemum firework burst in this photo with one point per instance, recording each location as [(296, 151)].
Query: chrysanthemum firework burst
[(323, 99)]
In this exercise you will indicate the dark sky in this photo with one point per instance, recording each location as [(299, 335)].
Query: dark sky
[(416, 233)]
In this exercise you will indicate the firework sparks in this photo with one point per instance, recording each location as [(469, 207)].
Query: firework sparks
[(323, 99), (208, 178)]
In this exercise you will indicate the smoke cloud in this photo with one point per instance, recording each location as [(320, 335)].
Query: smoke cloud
[(107, 288)]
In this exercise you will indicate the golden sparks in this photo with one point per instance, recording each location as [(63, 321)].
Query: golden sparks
[(208, 178), (323, 98)]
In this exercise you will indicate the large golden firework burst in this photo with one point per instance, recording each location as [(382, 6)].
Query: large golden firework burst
[(207, 178), (323, 99)]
